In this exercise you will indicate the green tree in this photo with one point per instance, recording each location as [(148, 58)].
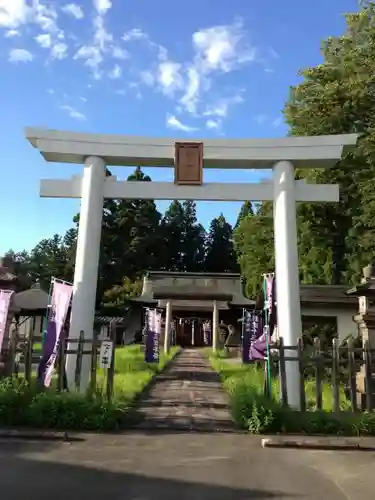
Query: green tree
[(70, 245), (171, 225), (336, 97), (119, 295), (130, 239), (220, 253), (192, 239), (47, 260), (246, 209), (254, 244), (20, 264)]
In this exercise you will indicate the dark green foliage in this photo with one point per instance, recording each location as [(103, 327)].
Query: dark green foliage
[(21, 405), (220, 254), (253, 240), (26, 405), (335, 97)]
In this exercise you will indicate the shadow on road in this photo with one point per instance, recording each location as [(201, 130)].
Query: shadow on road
[(28, 477)]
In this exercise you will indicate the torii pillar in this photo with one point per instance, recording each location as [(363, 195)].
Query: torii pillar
[(289, 322)]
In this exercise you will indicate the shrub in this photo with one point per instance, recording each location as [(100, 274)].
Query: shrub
[(257, 414), (22, 404)]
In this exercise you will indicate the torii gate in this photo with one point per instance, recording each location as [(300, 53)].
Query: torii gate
[(97, 151)]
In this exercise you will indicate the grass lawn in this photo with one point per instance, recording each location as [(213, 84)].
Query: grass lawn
[(255, 413), (132, 373), (237, 376)]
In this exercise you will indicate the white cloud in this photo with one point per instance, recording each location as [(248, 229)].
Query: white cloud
[(14, 13), (260, 119), (222, 48), (169, 77), (277, 122), (93, 58), (147, 77), (190, 84), (222, 105), (134, 34), (73, 10), (102, 6), (217, 49), (192, 89), (73, 113), (44, 40), (213, 124), (274, 53), (20, 55), (102, 43), (173, 122), (59, 51), (46, 17), (162, 52), (115, 72), (12, 33), (101, 35), (119, 53), (134, 88)]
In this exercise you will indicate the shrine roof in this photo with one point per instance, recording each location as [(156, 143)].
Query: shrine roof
[(162, 285), (31, 300), (6, 275), (320, 295)]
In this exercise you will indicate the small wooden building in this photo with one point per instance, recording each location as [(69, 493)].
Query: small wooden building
[(192, 296)]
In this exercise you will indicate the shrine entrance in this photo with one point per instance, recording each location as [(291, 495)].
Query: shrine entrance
[(97, 151), (189, 332)]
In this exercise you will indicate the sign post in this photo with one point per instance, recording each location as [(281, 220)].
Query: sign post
[(105, 355)]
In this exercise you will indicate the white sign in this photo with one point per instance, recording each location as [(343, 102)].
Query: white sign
[(105, 356)]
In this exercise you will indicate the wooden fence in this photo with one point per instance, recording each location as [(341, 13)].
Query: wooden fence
[(21, 358), (338, 366)]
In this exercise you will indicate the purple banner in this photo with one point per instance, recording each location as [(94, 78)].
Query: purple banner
[(207, 333), (60, 302), (258, 348), (5, 296), (252, 337), (269, 298), (152, 348)]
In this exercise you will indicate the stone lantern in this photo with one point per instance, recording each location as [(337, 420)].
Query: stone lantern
[(365, 320)]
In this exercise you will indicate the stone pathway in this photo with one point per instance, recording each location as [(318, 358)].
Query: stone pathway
[(187, 396)]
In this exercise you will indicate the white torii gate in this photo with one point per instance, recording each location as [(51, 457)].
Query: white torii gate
[(97, 151)]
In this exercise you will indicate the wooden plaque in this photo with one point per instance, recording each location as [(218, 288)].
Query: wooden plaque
[(188, 164)]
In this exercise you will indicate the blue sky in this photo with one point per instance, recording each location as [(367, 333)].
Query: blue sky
[(198, 68)]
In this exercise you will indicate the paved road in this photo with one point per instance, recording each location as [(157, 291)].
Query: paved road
[(157, 466), (151, 464)]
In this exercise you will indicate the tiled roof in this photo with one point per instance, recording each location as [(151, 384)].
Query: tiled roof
[(6, 275)]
